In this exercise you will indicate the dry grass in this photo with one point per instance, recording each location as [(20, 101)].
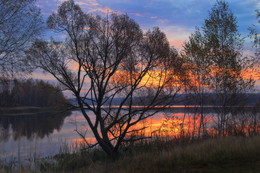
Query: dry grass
[(230, 154)]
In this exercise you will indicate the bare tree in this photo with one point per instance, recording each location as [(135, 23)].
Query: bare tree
[(20, 23), (108, 60)]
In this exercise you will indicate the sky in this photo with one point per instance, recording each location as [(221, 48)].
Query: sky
[(176, 18)]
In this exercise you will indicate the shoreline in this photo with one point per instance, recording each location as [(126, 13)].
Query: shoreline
[(29, 110), (26, 110)]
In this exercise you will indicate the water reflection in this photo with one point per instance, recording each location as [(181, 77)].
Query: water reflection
[(190, 124), (44, 134), (30, 126)]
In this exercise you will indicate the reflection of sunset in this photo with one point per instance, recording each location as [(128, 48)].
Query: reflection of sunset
[(80, 141), (172, 126), (176, 125)]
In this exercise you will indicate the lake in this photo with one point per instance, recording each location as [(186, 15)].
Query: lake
[(45, 134)]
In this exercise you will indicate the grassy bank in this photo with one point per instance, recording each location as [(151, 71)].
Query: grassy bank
[(226, 155), (214, 155), (231, 154)]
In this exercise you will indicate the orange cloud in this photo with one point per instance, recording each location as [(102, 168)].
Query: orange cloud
[(103, 10), (177, 43), (251, 74), (89, 3)]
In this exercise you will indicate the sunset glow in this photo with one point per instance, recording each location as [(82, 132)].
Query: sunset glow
[(178, 24)]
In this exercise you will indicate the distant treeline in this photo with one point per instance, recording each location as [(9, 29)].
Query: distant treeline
[(245, 99), (32, 93), (210, 99)]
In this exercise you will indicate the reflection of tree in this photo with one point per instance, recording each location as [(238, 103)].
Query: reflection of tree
[(35, 125), (4, 134)]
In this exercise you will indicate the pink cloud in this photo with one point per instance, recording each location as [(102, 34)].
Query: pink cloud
[(161, 20), (138, 14), (153, 17)]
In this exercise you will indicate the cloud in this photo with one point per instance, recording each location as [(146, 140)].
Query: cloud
[(91, 6), (89, 3), (256, 2), (153, 17), (161, 20), (176, 35), (103, 10), (137, 14)]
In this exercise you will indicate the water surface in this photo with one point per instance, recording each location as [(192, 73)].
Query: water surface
[(45, 134)]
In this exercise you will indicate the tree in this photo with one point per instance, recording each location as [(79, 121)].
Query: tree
[(20, 24), (254, 33), (195, 50), (217, 51), (33, 93), (106, 60)]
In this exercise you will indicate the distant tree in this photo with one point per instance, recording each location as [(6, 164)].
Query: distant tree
[(196, 51), (216, 51), (107, 58), (33, 93), (254, 33), (20, 24)]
